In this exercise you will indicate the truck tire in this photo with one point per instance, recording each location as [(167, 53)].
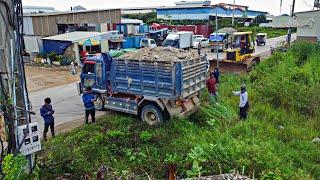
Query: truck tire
[(99, 103), (151, 114)]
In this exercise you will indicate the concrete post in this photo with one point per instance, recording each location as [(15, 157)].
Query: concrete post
[(76, 52)]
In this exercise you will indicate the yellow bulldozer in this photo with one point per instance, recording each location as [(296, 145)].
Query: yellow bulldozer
[(239, 58)]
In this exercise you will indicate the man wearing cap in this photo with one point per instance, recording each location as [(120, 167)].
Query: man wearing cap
[(243, 104)]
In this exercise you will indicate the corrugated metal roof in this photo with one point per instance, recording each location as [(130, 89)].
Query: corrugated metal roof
[(131, 21), (73, 36), (68, 12)]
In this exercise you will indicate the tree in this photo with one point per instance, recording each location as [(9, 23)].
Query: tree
[(260, 19)]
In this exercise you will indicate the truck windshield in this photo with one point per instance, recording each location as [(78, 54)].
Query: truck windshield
[(144, 43), (171, 43), (88, 68)]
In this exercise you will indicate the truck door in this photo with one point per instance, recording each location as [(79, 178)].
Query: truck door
[(99, 75), (87, 74)]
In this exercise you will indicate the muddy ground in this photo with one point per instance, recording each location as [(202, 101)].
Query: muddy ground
[(40, 78)]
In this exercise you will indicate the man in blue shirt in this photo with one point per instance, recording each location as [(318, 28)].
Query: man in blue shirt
[(88, 100), (47, 112)]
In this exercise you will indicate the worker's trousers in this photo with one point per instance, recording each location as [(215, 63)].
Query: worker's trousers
[(92, 113), (243, 112), (46, 128)]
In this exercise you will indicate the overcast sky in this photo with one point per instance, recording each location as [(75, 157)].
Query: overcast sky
[(272, 6)]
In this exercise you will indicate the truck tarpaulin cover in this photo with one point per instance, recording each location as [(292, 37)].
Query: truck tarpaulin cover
[(132, 42), (55, 46), (216, 38)]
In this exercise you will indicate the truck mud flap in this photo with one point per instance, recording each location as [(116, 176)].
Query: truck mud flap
[(189, 106)]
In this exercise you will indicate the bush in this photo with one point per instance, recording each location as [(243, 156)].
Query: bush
[(14, 167)]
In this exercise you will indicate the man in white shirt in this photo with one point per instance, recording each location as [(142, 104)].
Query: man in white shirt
[(243, 104)]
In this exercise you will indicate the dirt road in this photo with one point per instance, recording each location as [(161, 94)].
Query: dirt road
[(260, 50), (39, 78)]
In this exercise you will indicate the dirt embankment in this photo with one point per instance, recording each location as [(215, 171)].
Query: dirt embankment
[(161, 53), (39, 78)]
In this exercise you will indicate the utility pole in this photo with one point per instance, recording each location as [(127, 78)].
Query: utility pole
[(14, 101), (234, 4), (290, 29), (217, 49)]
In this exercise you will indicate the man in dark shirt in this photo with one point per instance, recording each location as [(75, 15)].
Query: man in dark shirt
[(88, 101), (216, 75), (199, 48), (46, 112), (211, 85)]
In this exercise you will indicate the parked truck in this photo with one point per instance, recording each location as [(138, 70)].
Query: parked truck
[(154, 90), (181, 40), (147, 42), (219, 41)]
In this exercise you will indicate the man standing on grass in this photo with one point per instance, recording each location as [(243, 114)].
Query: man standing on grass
[(211, 85), (47, 112), (88, 100), (243, 104), (216, 74)]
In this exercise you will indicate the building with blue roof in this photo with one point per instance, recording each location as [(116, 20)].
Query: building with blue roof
[(200, 10)]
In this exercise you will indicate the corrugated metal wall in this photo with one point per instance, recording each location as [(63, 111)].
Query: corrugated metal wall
[(199, 13), (47, 25), (27, 26), (312, 25)]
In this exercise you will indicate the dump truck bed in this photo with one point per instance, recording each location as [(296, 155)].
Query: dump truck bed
[(158, 78)]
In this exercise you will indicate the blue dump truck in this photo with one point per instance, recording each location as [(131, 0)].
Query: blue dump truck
[(154, 90)]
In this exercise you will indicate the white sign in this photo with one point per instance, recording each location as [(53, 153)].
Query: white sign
[(29, 138)]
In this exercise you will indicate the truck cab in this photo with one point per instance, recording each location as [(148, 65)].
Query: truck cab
[(155, 91), (181, 40), (149, 43), (218, 41)]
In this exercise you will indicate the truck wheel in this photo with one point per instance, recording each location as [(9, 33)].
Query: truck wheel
[(99, 103), (151, 114)]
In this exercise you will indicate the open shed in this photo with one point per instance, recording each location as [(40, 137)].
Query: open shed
[(67, 44)]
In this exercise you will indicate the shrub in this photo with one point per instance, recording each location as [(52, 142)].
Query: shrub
[(273, 143)]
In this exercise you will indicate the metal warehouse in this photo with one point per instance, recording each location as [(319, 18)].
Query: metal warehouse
[(204, 10), (49, 24)]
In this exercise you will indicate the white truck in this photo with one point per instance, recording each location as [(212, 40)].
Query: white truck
[(149, 43), (181, 40)]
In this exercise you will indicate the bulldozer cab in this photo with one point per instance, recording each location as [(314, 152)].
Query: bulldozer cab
[(242, 46)]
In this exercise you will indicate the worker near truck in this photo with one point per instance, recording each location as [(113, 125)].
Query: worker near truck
[(47, 112), (199, 48), (243, 104), (216, 74), (211, 85), (88, 100)]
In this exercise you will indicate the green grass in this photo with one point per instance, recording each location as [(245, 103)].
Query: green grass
[(273, 143), (272, 32)]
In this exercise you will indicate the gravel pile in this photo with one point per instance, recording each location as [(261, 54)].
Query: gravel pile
[(161, 53)]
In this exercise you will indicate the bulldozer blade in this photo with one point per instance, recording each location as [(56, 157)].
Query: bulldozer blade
[(235, 67)]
